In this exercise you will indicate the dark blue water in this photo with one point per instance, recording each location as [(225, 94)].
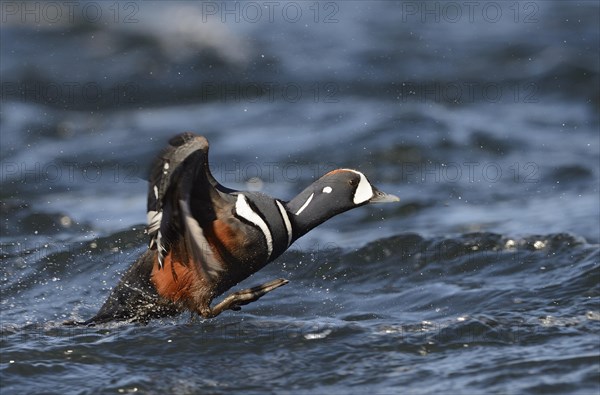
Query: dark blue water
[(483, 118)]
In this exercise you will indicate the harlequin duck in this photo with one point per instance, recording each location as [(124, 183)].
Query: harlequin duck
[(206, 238)]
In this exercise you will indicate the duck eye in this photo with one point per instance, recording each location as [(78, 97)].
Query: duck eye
[(353, 182)]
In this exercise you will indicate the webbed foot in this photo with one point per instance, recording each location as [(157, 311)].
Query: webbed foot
[(237, 299)]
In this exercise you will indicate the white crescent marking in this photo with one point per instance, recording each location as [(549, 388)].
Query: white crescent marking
[(243, 209), (286, 221)]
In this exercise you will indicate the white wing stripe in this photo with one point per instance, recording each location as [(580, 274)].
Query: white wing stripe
[(201, 249), (153, 219)]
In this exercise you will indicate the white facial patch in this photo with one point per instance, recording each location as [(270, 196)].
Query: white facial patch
[(305, 204), (364, 190), (327, 190), (243, 209)]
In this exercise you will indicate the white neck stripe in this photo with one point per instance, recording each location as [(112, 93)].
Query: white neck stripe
[(286, 221), (305, 204), (243, 209)]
